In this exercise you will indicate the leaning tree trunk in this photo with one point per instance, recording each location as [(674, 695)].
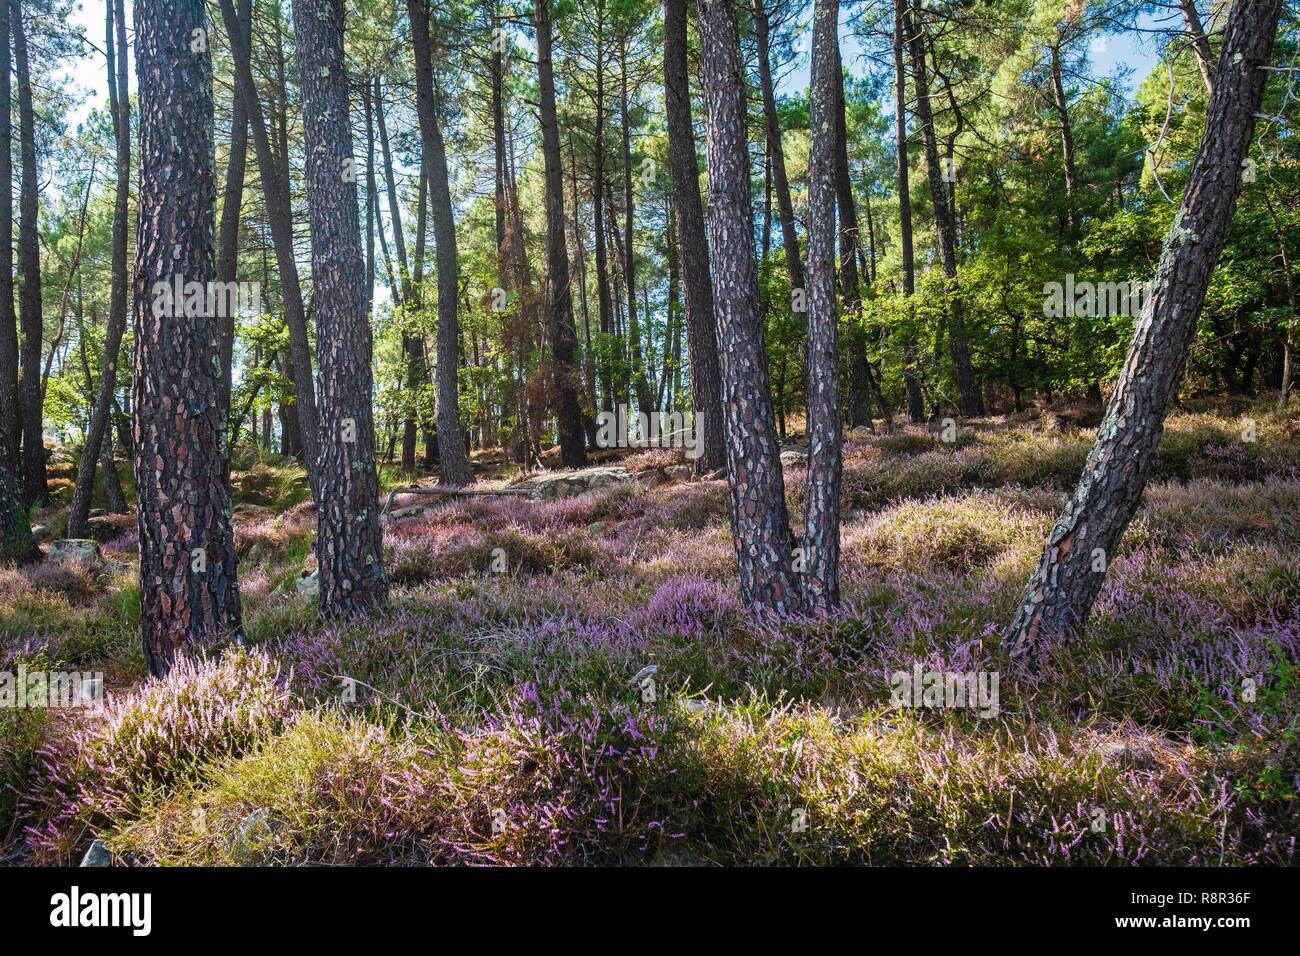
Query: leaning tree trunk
[(29, 260), (348, 537), (454, 461), (1070, 575), (187, 550), (692, 243), (566, 376), (120, 107), (759, 523), (1200, 43), (821, 536)]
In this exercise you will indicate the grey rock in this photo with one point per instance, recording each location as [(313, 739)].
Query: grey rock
[(860, 431), (308, 585), (679, 472), (41, 533), (411, 511), (1128, 754), (794, 458), (81, 551), (569, 484), (97, 855)]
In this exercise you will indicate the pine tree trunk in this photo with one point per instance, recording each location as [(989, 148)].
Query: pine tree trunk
[(349, 540), (279, 213), (971, 400), (915, 404), (759, 523), (772, 125), (821, 539), (692, 244), (120, 107), (232, 199), (187, 553), (565, 374), (1085, 538), (29, 260), (11, 424), (640, 387), (1200, 43), (454, 461)]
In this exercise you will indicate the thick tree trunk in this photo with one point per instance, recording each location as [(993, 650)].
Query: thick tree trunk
[(280, 216), (821, 537), (349, 540), (759, 523), (120, 106), (187, 553), (11, 424), (971, 400), (15, 534), (915, 404), (1084, 540), (566, 376), (692, 244), (454, 461), (29, 260), (776, 152)]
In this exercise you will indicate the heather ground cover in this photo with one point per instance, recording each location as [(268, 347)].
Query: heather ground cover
[(503, 717)]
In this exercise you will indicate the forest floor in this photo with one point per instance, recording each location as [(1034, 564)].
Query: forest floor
[(507, 717)]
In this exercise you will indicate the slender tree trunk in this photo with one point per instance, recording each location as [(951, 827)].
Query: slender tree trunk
[(97, 431), (1085, 538), (232, 201), (11, 423), (187, 553), (1067, 131), (1200, 43), (639, 385), (604, 304), (772, 125), (915, 404), (566, 376), (692, 244), (759, 523), (280, 218), (454, 461), (821, 538), (349, 542), (972, 402), (861, 381), (29, 260)]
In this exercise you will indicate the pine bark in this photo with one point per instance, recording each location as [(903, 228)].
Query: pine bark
[(692, 243), (759, 522), (821, 538), (454, 461), (565, 374), (772, 126), (187, 554), (1084, 540), (349, 540)]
